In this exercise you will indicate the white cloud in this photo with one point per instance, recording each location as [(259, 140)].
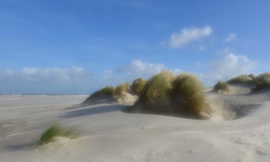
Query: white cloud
[(199, 65), (79, 80), (139, 68), (38, 80), (231, 38), (188, 35), (227, 68), (201, 48), (107, 74), (225, 51)]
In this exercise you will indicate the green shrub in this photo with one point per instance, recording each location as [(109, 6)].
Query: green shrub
[(242, 79), (138, 85), (54, 131), (224, 86), (262, 81), (121, 88)]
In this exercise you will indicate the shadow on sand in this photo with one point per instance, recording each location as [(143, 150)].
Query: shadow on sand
[(19, 147), (95, 110)]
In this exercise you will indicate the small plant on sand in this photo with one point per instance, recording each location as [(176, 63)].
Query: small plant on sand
[(242, 79), (224, 86), (121, 88), (262, 81), (54, 131), (106, 91), (190, 97), (138, 85)]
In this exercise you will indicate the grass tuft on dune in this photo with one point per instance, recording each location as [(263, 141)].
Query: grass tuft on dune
[(121, 88), (190, 97), (178, 96), (157, 86), (106, 91), (242, 79), (223, 86), (138, 85), (262, 81), (54, 131)]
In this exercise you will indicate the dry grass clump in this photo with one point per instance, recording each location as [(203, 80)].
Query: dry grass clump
[(224, 86), (108, 90), (182, 95), (154, 95), (190, 97), (242, 79), (158, 86), (55, 131), (121, 88), (262, 81), (138, 85)]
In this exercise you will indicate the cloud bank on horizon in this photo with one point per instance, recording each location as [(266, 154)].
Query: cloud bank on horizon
[(60, 52), (54, 80)]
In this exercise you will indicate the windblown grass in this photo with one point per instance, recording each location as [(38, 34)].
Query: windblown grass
[(191, 99), (182, 95), (54, 131), (138, 85), (122, 88), (242, 79), (224, 86), (262, 81), (107, 91), (158, 86)]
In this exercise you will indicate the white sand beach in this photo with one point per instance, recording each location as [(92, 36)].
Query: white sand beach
[(108, 134)]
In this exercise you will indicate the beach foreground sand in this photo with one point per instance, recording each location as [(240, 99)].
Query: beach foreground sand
[(109, 134)]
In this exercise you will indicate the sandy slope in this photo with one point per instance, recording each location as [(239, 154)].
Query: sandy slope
[(109, 134)]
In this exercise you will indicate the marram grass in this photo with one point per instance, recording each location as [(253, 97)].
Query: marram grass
[(242, 79), (54, 131), (181, 95), (262, 81), (224, 86), (107, 91), (191, 99), (157, 87), (121, 88), (138, 85)]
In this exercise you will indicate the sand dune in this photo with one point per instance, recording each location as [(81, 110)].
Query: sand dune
[(108, 133)]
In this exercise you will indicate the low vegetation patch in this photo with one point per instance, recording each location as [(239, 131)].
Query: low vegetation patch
[(106, 91), (55, 131), (262, 81), (181, 96), (122, 88), (190, 97), (224, 86), (242, 79), (252, 76), (158, 86), (154, 95), (138, 85)]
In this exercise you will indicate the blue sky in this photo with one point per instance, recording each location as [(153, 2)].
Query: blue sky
[(65, 46)]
